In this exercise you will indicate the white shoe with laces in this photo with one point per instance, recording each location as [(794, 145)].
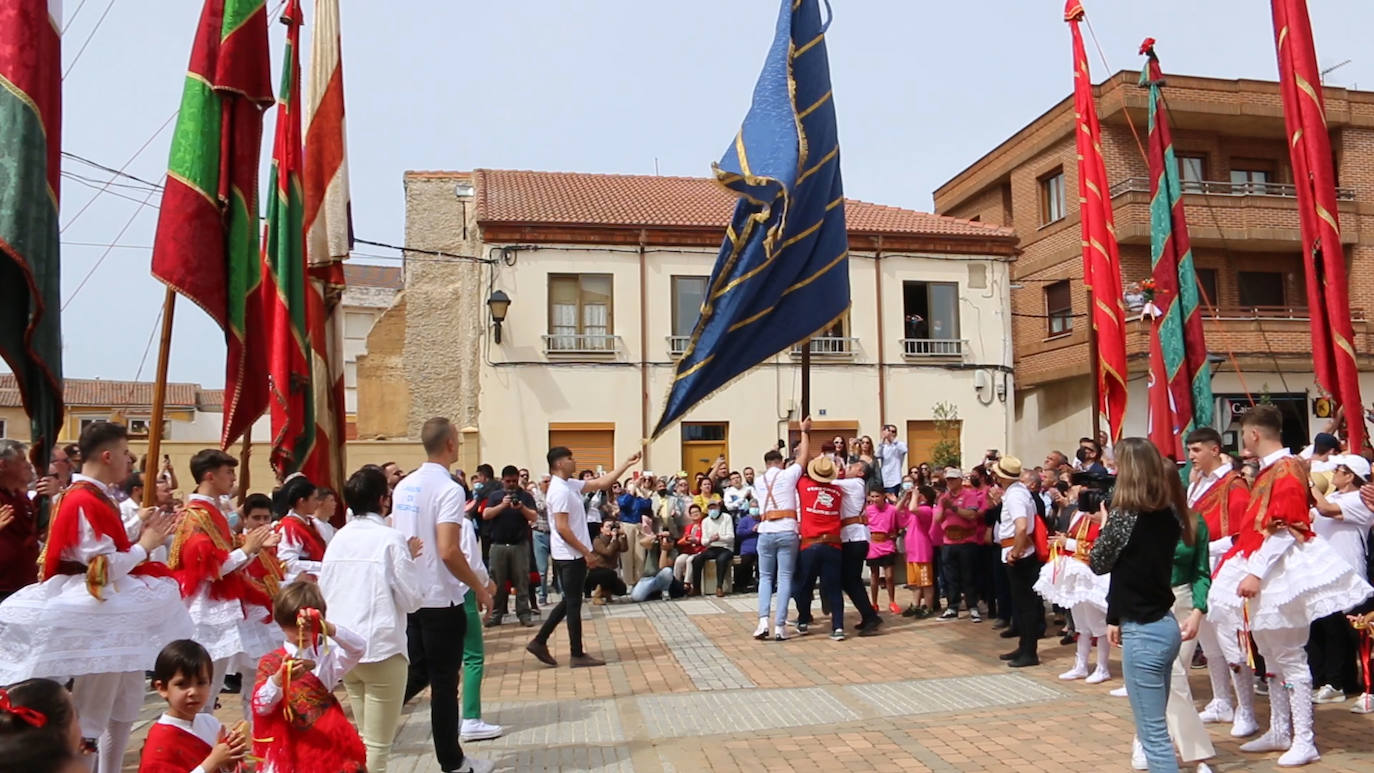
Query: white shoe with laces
[(477, 730), (1138, 761), (1328, 694), (1119, 692), (1363, 704), (1217, 712), (761, 632), (1098, 676), (473, 765)]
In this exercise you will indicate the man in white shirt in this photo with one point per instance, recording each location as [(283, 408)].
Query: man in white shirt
[(779, 537), (570, 545), (1016, 535), (737, 496), (854, 542), (1324, 452), (1343, 521), (371, 583), (891, 458), (428, 504)]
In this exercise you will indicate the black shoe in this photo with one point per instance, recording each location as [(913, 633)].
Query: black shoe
[(1013, 655), (527, 621), (1000, 624), (492, 621), (1009, 633), (233, 683), (870, 627), (540, 650), (1023, 661), (1068, 639)]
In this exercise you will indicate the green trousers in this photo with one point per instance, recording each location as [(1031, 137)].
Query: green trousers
[(474, 659)]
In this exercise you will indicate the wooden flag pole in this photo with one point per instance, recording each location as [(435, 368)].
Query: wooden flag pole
[(805, 379), (244, 464), (159, 400)]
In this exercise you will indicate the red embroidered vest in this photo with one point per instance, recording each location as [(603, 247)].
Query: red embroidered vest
[(820, 508)]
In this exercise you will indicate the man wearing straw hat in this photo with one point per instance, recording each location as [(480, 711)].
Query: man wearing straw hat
[(1016, 535), (820, 502)]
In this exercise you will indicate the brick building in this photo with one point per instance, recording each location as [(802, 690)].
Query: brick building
[(1243, 220)]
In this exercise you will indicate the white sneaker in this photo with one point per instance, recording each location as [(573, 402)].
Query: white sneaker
[(477, 730), (1328, 694), (1099, 676), (1138, 761), (780, 633), (1363, 704), (1265, 743), (1077, 672), (473, 765), (1217, 712), (1244, 726), (1203, 767), (1119, 692), (761, 632), (1298, 754)]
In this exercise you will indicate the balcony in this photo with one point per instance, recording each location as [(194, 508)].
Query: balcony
[(1237, 217), (579, 343), (830, 347), (934, 348), (1267, 313), (677, 345)]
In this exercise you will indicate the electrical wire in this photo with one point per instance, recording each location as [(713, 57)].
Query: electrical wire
[(120, 172), (89, 37), (105, 254), (70, 19)]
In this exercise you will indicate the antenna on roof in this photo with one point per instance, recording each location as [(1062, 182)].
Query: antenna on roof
[(656, 174), (1332, 68)]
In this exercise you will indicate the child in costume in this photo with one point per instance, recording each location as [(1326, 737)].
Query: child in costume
[(300, 726), (1277, 578), (883, 522), (916, 513), (1067, 581), (38, 729), (186, 737), (303, 540)]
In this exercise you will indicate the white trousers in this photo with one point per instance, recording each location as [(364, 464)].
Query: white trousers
[(1090, 620), (1285, 653), (1185, 726), (107, 706)]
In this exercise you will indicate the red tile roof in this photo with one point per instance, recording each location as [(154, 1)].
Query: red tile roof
[(363, 275), (572, 198), (80, 392)]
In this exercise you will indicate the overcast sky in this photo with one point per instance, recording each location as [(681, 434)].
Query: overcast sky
[(922, 89)]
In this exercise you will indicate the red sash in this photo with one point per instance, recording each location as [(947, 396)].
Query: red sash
[(1223, 506), (202, 545), (318, 737), (85, 498), (170, 749), (1084, 531), (1279, 500), (304, 533)]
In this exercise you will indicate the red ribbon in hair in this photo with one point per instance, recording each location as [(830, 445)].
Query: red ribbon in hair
[(31, 716)]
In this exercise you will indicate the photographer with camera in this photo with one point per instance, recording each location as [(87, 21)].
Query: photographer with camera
[(509, 515), (658, 579), (603, 581)]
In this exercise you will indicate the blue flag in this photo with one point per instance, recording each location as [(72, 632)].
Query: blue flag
[(782, 275)]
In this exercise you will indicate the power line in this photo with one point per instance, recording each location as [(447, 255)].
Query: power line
[(89, 37), (82, 181), (104, 254), (119, 172), (72, 18)]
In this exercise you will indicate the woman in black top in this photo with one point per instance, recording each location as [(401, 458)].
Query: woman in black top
[(1137, 546)]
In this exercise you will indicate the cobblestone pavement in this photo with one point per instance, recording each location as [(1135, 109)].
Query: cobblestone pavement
[(686, 689)]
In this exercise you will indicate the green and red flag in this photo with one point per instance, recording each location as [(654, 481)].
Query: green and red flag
[(206, 246), (1180, 385), (1314, 176), (283, 255), (328, 240), (1101, 261), (30, 169)]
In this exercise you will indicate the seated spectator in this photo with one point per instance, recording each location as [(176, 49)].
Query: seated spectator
[(603, 582), (658, 579), (718, 543), (688, 547), (747, 540)]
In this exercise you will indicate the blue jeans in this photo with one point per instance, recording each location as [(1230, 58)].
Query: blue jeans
[(649, 587), (777, 559), (1148, 652), (541, 563)]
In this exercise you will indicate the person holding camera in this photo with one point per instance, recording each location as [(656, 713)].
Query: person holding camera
[(509, 515), (603, 581), (658, 579)]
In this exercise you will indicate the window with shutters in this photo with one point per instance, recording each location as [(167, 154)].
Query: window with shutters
[(1052, 197), (1059, 308), (580, 313)]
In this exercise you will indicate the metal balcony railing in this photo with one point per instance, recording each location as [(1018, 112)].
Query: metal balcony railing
[(933, 347), (579, 343), (677, 345), (830, 347), (1265, 313), (1224, 188)]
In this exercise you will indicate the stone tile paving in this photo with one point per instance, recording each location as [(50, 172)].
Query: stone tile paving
[(686, 689)]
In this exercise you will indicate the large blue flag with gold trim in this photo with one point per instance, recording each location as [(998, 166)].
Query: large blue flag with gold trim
[(782, 275)]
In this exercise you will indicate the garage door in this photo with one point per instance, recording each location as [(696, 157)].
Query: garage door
[(592, 443), (921, 438)]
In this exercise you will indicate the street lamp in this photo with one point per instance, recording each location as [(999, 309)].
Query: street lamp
[(499, 303)]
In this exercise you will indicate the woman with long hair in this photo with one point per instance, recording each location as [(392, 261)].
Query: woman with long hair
[(1136, 545)]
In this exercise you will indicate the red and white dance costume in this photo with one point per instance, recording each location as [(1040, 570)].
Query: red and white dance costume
[(229, 611), (176, 746), (1222, 498), (100, 613), (1067, 581), (302, 545), (1301, 579), (300, 727)]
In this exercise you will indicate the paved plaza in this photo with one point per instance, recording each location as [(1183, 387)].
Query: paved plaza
[(687, 689)]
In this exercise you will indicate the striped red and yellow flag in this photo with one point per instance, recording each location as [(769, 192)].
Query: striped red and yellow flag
[(206, 246), (1309, 146), (293, 397), (1101, 262), (30, 169), (328, 240)]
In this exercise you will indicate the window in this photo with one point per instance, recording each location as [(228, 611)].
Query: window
[(1250, 176), (1192, 170), (1059, 308), (357, 324), (930, 311), (1207, 283), (1052, 197), (3, 429), (689, 293), (1261, 288), (580, 313), (834, 340)]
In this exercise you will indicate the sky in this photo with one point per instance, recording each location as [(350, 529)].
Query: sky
[(922, 89)]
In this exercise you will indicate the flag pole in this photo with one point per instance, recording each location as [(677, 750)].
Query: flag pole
[(805, 379), (1095, 368), (243, 464), (159, 398)]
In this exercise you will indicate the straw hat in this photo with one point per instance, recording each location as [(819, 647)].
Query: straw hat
[(1007, 467), (821, 469)]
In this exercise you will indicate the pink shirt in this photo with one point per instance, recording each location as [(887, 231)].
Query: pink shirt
[(918, 525), (968, 498), (882, 519)]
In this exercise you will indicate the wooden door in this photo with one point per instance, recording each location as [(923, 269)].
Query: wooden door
[(702, 444), (921, 437), (592, 443)]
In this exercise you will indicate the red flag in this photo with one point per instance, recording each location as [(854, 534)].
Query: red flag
[(1309, 146), (328, 240), (1101, 263)]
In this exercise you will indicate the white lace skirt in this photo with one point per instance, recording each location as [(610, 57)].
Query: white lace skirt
[(225, 632), (1067, 581), (1310, 582), (57, 629)]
